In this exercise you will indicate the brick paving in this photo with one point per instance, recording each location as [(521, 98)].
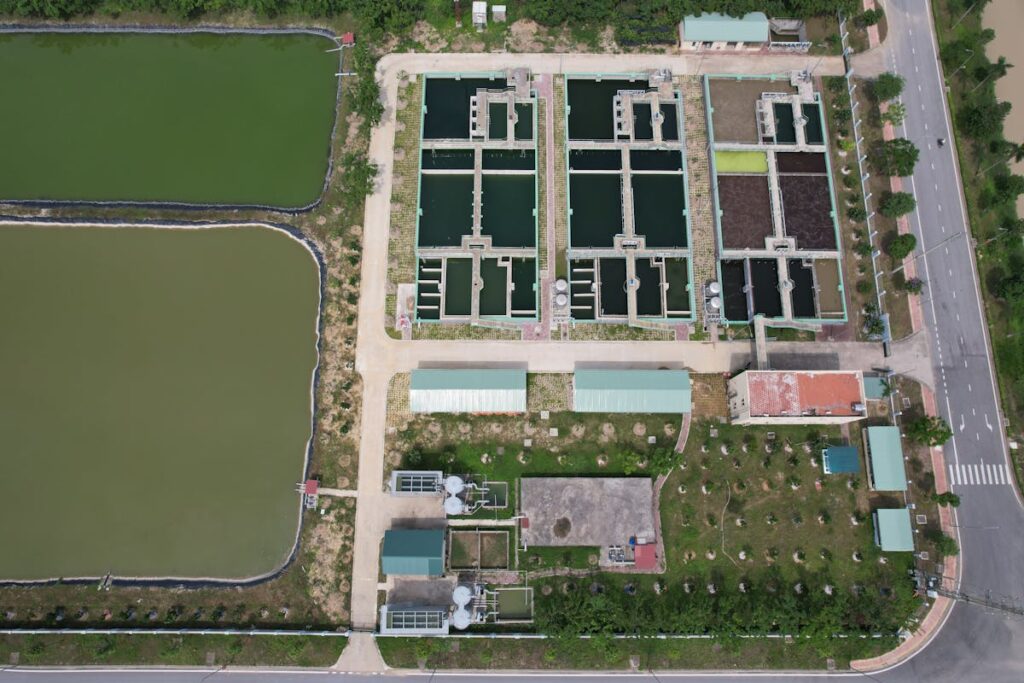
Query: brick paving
[(700, 206)]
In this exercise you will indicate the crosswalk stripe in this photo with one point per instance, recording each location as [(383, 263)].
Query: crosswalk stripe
[(952, 476), (963, 475), (991, 473), (984, 473), (1004, 476), (977, 474)]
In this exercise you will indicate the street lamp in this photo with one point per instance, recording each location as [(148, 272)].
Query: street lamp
[(969, 58)]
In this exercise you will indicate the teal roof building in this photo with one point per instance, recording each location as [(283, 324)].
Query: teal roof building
[(893, 532), (884, 450), (875, 388), (467, 390), (720, 28), (631, 391), (841, 460), (413, 552)]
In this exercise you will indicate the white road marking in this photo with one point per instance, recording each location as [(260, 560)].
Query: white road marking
[(969, 386), (991, 473), (987, 423), (954, 293), (975, 473), (1004, 476), (983, 473), (962, 423), (952, 476), (970, 476)]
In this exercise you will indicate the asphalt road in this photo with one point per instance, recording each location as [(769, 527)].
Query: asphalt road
[(975, 644)]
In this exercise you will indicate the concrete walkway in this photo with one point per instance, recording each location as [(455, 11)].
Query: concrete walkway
[(379, 357)]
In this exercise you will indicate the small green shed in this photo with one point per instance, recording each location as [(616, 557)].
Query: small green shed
[(631, 391), (841, 460), (893, 532), (886, 471), (413, 552)]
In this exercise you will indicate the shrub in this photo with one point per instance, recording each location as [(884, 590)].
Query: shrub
[(863, 248), (983, 120), (850, 181), (887, 86), (944, 545), (864, 286), (913, 285), (842, 115), (947, 498), (870, 17), (895, 113), (901, 246), (856, 213), (896, 204)]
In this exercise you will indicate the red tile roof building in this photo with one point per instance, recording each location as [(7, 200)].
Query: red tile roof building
[(796, 397)]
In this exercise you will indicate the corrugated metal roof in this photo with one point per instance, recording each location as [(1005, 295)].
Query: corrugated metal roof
[(893, 531), (886, 453), (442, 390), (842, 460), (778, 393), (631, 391), (720, 28), (875, 388), (413, 552)]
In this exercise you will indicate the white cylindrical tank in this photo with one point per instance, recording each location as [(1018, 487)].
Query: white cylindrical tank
[(453, 505), (561, 300), (462, 595), (454, 485), (714, 289), (461, 619), (561, 285), (715, 303)]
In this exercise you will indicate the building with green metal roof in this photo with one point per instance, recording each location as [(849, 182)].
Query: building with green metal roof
[(467, 390), (884, 451), (413, 552), (631, 391), (875, 388), (840, 460), (711, 28), (892, 530)]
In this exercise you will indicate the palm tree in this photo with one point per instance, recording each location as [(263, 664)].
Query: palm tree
[(998, 70), (1006, 151)]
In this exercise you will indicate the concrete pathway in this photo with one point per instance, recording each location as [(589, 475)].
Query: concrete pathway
[(361, 655)]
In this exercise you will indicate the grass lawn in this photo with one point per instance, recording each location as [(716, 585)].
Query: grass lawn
[(171, 650), (614, 654)]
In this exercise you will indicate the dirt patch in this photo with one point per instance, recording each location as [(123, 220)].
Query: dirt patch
[(562, 527), (746, 211), (427, 36), (734, 117), (807, 207)]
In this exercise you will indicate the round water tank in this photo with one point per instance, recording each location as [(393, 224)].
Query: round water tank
[(461, 619), (715, 303), (561, 300), (453, 484), (453, 506), (714, 288), (462, 595), (561, 286)]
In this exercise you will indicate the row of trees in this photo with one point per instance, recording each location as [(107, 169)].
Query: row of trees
[(635, 20), (769, 604)]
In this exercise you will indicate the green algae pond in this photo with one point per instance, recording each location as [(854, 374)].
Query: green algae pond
[(204, 118), (156, 405)]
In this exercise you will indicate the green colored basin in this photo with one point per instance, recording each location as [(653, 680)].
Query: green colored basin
[(155, 409), (198, 118)]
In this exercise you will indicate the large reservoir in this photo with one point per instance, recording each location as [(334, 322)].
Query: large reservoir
[(150, 117)]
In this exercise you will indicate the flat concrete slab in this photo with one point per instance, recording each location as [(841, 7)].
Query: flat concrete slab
[(586, 511)]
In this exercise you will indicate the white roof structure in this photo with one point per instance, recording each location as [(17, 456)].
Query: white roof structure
[(444, 390)]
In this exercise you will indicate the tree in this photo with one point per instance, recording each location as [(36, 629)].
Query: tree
[(928, 431), (896, 204), (1007, 188), (357, 177), (944, 545), (901, 246), (897, 157), (946, 498), (998, 69), (856, 213), (887, 86), (895, 113), (1011, 289), (366, 93), (983, 120)]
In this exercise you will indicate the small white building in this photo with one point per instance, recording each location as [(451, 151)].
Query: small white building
[(480, 15)]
